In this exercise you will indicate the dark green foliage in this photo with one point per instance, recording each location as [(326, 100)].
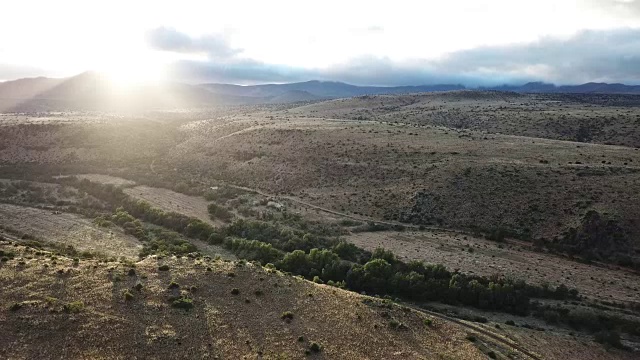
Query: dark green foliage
[(609, 338), (173, 285), (163, 267), (253, 250), (472, 338), (219, 212), (235, 291), (15, 307), (182, 303), (6, 255), (315, 347), (297, 248), (73, 307), (287, 315)]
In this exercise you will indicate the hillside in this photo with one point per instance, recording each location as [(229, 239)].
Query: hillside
[(111, 310)]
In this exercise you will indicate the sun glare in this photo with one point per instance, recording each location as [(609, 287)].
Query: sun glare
[(129, 74)]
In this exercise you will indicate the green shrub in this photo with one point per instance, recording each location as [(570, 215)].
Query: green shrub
[(428, 322), (182, 303), (315, 347), (163, 267), (73, 307), (235, 291), (287, 315), (15, 307)]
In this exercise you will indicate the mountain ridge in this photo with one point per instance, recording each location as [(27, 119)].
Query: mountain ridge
[(91, 90)]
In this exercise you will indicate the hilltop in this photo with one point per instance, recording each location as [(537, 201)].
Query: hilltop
[(196, 307)]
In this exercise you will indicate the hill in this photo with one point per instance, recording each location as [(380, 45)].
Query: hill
[(93, 91), (198, 307)]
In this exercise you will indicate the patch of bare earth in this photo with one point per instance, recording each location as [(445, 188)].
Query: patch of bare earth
[(487, 258), (168, 200), (69, 229), (106, 179)]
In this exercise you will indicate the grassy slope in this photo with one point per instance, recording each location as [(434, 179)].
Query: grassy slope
[(220, 324)]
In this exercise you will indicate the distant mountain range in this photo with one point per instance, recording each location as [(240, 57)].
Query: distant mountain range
[(588, 88), (92, 91)]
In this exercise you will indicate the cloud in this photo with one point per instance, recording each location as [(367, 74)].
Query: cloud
[(606, 55), (169, 39), (610, 56), (626, 8)]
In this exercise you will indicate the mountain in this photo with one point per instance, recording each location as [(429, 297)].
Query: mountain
[(587, 88), (326, 89), (93, 91)]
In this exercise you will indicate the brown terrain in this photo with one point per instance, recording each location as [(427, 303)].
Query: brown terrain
[(442, 172)]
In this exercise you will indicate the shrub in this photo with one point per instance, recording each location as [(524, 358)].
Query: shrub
[(428, 322), (235, 291), (163, 267), (182, 303), (315, 347), (173, 285), (510, 322), (471, 338), (127, 295), (73, 307), (287, 315), (609, 338), (15, 307)]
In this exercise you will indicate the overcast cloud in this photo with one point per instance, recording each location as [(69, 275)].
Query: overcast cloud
[(594, 55), (367, 42)]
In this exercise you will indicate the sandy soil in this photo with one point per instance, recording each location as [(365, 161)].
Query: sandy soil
[(106, 179), (69, 229), (487, 258), (168, 200)]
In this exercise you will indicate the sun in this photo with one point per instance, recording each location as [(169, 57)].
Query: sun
[(129, 73)]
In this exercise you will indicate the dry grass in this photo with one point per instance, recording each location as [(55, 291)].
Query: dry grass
[(486, 258), (219, 324), (167, 200), (69, 229)]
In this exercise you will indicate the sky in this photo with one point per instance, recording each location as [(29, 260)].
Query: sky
[(471, 42)]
